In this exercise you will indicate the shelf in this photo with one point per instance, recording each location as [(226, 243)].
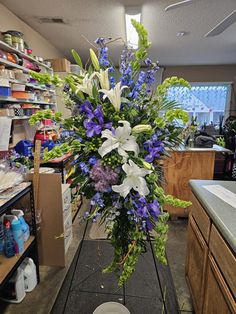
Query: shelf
[(13, 65), (9, 197), (17, 117), (20, 118), (21, 100), (8, 264), (35, 86), (8, 48)]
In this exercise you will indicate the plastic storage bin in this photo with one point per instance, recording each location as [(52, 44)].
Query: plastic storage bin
[(5, 91)]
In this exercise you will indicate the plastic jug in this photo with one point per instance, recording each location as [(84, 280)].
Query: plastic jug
[(14, 289), (30, 275), (24, 226)]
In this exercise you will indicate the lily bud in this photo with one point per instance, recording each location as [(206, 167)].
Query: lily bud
[(147, 165), (94, 59), (141, 128)]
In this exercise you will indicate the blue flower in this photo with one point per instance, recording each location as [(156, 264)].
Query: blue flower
[(95, 125), (103, 57), (92, 160), (83, 167), (97, 200)]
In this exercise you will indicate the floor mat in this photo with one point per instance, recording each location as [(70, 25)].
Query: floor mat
[(149, 291)]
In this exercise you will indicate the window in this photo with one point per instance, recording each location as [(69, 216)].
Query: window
[(206, 101)]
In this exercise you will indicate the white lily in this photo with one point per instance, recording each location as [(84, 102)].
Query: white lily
[(121, 139), (114, 95), (134, 180), (87, 85), (103, 78)]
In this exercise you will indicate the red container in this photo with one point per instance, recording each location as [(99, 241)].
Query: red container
[(47, 122)]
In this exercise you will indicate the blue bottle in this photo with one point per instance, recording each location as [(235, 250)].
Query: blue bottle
[(9, 248), (17, 236), (24, 226)]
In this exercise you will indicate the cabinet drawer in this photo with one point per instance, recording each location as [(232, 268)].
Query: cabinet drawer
[(201, 218), (218, 298), (224, 257)]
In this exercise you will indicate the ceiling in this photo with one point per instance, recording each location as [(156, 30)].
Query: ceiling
[(105, 18)]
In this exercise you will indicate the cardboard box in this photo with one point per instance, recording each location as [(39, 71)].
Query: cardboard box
[(60, 65)]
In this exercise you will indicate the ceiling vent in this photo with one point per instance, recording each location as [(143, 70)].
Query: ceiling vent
[(54, 20)]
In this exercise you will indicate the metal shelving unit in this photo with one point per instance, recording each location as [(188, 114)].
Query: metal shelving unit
[(50, 92), (9, 265), (8, 48), (35, 86), (25, 101)]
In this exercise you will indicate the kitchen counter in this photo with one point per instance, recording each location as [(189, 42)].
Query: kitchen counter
[(215, 148), (222, 214)]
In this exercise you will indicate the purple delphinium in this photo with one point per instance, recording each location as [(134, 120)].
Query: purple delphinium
[(154, 147), (103, 177), (84, 168), (135, 93), (97, 200), (145, 79), (125, 67)]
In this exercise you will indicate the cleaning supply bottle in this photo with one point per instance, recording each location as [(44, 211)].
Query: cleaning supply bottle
[(17, 235), (14, 289), (24, 226), (9, 248)]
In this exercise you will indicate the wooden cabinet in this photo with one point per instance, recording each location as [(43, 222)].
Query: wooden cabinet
[(210, 265), (218, 298), (196, 264), (181, 167)]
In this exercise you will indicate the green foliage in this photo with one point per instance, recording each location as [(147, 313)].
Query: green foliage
[(160, 239), (142, 34), (60, 150), (220, 141), (46, 78), (41, 115), (179, 114), (170, 82)]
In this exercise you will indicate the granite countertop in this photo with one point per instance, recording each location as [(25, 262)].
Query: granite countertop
[(215, 148), (222, 214)]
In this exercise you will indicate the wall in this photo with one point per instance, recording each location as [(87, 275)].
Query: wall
[(207, 73), (41, 47)]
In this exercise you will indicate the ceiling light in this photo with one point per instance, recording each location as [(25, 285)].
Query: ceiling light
[(180, 34), (131, 34)]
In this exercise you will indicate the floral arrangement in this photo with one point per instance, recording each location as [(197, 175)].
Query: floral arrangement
[(122, 127)]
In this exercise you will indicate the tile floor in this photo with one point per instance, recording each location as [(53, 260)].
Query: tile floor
[(41, 300)]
